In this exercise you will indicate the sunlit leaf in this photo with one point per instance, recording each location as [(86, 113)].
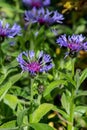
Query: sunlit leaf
[(83, 76), (21, 116), (4, 89), (53, 85), (11, 101), (40, 126), (65, 100), (2, 78), (80, 29), (81, 93), (43, 109), (11, 125), (81, 109), (15, 78)]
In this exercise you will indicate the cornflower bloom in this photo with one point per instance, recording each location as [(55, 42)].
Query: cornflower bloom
[(6, 31), (36, 3), (74, 43), (42, 16), (33, 64)]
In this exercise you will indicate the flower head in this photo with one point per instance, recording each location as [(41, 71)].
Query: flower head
[(36, 3), (85, 46), (14, 31), (34, 64), (43, 17), (6, 31), (74, 43)]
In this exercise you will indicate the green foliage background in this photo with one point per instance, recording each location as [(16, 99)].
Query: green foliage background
[(52, 91)]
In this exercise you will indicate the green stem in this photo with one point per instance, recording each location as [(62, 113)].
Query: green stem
[(31, 93), (1, 56), (71, 118), (72, 105), (73, 66)]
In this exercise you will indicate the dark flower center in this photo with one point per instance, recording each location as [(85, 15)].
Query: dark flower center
[(74, 47), (41, 20), (36, 4), (2, 32), (34, 66)]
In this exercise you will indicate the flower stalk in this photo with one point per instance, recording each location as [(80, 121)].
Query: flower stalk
[(71, 116), (31, 91)]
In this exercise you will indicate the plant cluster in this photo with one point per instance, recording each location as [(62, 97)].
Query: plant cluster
[(41, 84)]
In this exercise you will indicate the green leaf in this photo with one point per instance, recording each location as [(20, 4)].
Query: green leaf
[(21, 116), (81, 93), (15, 78), (64, 114), (2, 78), (36, 116), (53, 85), (11, 125), (11, 101), (68, 77), (65, 100), (4, 89), (81, 109), (15, 128), (79, 29), (40, 126), (5, 71), (40, 112), (12, 65), (8, 9), (83, 76)]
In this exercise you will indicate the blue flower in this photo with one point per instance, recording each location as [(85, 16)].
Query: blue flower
[(14, 31), (36, 3), (42, 16), (73, 43), (34, 64), (85, 46), (6, 31), (62, 41)]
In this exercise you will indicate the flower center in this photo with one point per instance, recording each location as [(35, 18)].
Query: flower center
[(2, 32), (41, 20), (36, 4), (34, 67), (74, 47)]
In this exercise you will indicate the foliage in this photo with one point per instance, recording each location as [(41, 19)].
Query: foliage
[(50, 100)]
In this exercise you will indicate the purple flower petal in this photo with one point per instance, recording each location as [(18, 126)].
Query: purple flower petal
[(43, 16), (6, 31), (36, 3), (35, 64), (73, 43)]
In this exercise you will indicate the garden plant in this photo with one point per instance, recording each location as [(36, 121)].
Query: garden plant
[(43, 65)]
